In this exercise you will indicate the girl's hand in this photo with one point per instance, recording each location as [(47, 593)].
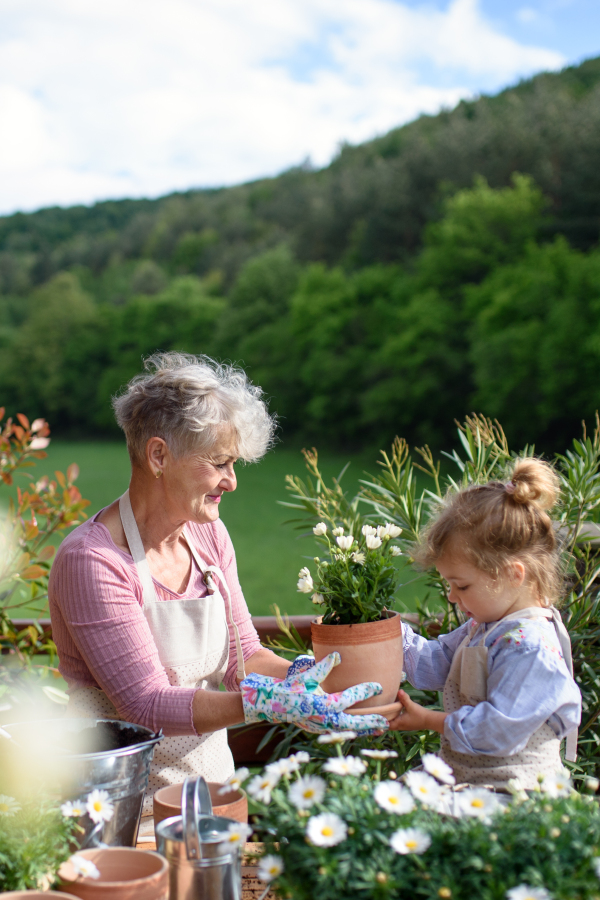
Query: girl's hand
[(413, 717)]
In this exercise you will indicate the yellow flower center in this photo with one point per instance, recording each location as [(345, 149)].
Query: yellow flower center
[(308, 793), (477, 803), (411, 845), (327, 831), (234, 836), (3, 807), (98, 805), (423, 789), (273, 870), (392, 799)]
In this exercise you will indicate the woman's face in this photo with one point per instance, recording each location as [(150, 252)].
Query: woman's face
[(196, 482)]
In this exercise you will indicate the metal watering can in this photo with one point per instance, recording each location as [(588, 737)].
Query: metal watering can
[(203, 864)]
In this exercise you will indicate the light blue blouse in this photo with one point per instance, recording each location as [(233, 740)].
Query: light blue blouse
[(528, 684)]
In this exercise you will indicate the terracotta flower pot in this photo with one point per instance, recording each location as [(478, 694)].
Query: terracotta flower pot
[(125, 874), (371, 651), (232, 805), (36, 895)]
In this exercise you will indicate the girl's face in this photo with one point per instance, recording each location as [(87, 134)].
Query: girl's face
[(477, 594)]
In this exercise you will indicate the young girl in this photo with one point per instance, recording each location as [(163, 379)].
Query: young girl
[(509, 693)]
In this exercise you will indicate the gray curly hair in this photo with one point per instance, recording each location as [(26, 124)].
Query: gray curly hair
[(187, 400)]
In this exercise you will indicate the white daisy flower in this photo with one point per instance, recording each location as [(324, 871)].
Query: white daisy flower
[(345, 765), (99, 806), (84, 867), (524, 892), (435, 766), (260, 786), (306, 791), (8, 805), (320, 529), (388, 530), (318, 599), (478, 802), (305, 583), (269, 867), (392, 797), (74, 809), (301, 757), (395, 551), (237, 833), (326, 830), (368, 530), (373, 542), (596, 865), (423, 787), (358, 557), (557, 785), (379, 754), (336, 737), (344, 542), (410, 840), (286, 766), (337, 532), (235, 781)]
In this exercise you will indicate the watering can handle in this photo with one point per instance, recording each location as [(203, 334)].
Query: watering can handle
[(195, 801)]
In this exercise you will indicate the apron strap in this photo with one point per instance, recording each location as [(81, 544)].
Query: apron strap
[(136, 549), (241, 670)]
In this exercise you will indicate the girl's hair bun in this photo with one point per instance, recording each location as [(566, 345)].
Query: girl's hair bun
[(534, 481)]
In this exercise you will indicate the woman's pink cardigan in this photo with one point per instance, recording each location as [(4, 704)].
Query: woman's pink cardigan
[(102, 635)]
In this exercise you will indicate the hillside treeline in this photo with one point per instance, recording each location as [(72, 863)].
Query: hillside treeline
[(415, 278), (491, 315)]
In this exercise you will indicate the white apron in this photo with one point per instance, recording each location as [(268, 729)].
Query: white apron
[(192, 640), (466, 685)]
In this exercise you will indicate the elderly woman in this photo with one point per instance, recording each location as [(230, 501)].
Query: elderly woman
[(147, 611)]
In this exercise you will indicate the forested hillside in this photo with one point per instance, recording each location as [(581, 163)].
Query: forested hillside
[(451, 264)]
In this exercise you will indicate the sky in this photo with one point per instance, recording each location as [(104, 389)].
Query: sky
[(105, 99)]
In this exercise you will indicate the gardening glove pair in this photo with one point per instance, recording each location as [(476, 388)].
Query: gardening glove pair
[(300, 700)]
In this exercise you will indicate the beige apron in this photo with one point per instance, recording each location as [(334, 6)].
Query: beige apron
[(192, 640), (466, 685)]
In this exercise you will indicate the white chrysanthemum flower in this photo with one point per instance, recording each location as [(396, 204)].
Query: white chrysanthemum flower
[(306, 791), (379, 754), (73, 809), (515, 787), (235, 781), (345, 765), (392, 797), (336, 737), (358, 557), (237, 833), (557, 785), (410, 840), (318, 599), (525, 892), (389, 530), (8, 805), (326, 830), (269, 867), (395, 551), (368, 530), (596, 865), (373, 542), (84, 867), (99, 806), (301, 757), (286, 766), (344, 542), (320, 529), (305, 583), (591, 784), (478, 802), (423, 787), (435, 766), (260, 786), (338, 531)]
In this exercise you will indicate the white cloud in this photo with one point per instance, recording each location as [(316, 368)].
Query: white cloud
[(104, 98)]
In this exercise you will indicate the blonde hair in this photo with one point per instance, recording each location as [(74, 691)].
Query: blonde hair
[(189, 401), (501, 522)]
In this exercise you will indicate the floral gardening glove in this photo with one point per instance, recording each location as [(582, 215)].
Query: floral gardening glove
[(300, 664), (299, 699)]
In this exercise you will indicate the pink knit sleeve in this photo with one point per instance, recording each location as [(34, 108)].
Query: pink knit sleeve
[(241, 614), (97, 616)]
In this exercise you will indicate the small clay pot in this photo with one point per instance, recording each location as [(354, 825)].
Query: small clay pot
[(370, 651), (125, 874), (36, 895), (232, 805)]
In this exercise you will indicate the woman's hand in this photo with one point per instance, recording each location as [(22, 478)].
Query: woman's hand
[(413, 717), (299, 699)]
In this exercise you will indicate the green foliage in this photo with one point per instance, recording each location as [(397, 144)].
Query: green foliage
[(34, 842)]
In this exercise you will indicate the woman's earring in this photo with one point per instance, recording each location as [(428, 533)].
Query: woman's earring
[(159, 473)]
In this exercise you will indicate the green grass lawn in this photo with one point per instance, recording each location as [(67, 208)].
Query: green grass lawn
[(269, 553)]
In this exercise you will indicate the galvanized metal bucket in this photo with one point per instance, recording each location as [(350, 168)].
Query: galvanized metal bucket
[(203, 864), (123, 773)]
